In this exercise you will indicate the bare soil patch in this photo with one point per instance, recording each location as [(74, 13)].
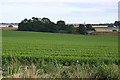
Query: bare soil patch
[(105, 33), (105, 29), (9, 28)]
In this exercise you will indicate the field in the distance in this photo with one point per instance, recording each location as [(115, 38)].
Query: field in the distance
[(34, 47)]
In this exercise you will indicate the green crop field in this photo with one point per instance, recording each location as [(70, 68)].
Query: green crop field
[(33, 47), (48, 50)]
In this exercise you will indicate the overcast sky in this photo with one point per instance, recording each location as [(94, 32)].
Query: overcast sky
[(71, 11)]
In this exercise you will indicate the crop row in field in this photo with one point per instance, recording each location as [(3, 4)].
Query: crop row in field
[(65, 48)]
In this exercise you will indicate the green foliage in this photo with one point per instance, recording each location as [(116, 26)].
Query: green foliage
[(61, 24), (70, 29), (65, 48), (10, 26), (40, 48), (37, 25), (89, 27), (114, 30), (93, 29), (82, 29), (117, 23), (44, 25), (107, 71), (101, 71)]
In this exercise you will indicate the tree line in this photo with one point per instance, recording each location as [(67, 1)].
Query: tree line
[(117, 24), (45, 25)]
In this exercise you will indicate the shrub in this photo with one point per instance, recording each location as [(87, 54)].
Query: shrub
[(114, 30), (10, 26), (107, 71)]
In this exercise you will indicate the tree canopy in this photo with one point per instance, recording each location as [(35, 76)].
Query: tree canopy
[(46, 25), (10, 26), (117, 23), (82, 29)]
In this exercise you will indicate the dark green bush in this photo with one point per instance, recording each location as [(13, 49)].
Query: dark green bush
[(10, 26)]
